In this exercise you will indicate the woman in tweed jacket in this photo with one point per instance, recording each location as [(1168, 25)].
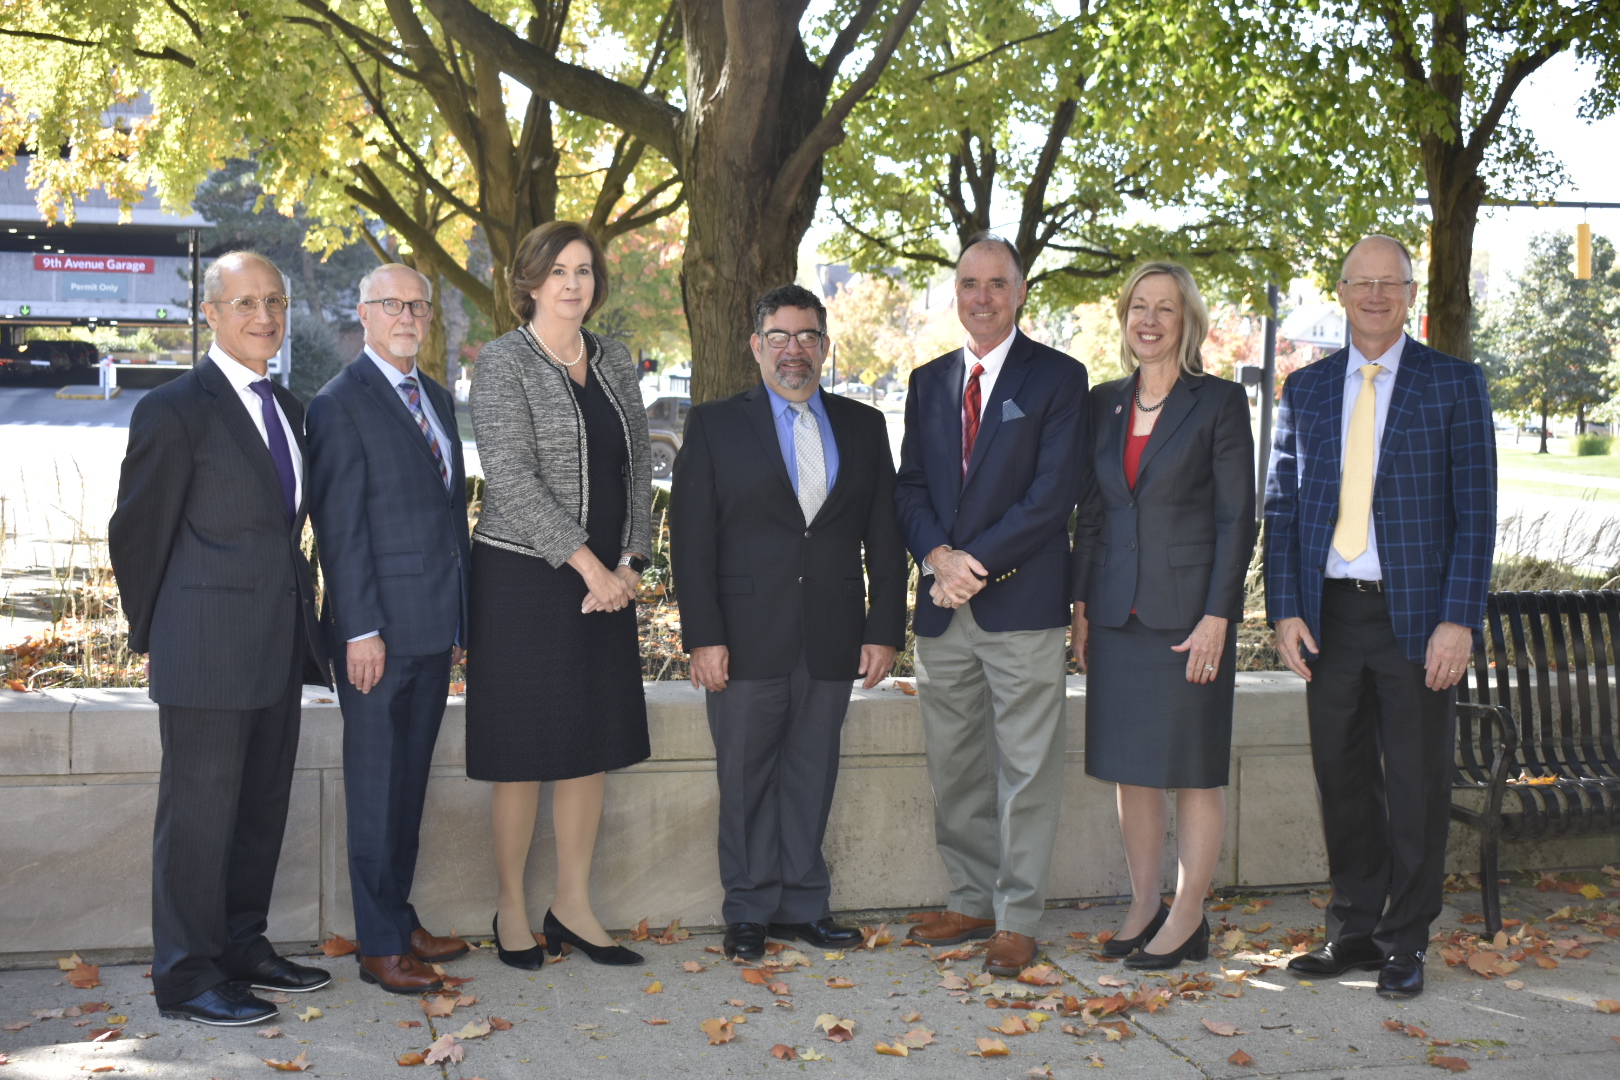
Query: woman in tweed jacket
[(554, 670)]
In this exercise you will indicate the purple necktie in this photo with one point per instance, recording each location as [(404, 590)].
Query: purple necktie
[(276, 436)]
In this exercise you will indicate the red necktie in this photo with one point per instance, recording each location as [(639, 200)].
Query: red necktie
[(970, 415)]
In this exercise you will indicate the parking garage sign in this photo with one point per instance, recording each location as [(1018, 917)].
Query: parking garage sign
[(96, 264)]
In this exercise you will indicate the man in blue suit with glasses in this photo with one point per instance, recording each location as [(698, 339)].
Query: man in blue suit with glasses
[(1380, 527)]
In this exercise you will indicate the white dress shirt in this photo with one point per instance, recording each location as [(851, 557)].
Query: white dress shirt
[(395, 377), (241, 377), (992, 361), (1365, 566)]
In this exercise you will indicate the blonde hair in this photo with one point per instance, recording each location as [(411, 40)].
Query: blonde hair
[(1194, 315)]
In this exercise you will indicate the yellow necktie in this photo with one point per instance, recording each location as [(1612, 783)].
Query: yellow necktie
[(1355, 488)]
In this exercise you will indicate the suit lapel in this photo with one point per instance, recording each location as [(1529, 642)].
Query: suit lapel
[(444, 406), (1331, 409), (1178, 405), (758, 406), (843, 429), (241, 426), (393, 406), (1011, 377), (1411, 380)]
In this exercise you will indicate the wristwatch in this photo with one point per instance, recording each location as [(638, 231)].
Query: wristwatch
[(634, 562)]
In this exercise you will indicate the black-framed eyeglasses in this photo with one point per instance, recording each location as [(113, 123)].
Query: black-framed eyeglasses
[(807, 339), (420, 308)]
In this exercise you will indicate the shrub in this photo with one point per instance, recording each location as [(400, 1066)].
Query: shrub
[(1592, 445), (315, 357)]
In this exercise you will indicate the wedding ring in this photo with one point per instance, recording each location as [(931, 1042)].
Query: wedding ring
[(1209, 667)]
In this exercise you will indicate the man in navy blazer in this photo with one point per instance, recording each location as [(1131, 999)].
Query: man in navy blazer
[(991, 467), (389, 504), (1381, 580)]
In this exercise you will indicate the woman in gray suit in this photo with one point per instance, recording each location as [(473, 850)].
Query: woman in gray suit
[(1156, 609)]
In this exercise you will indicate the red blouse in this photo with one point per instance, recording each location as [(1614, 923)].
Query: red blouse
[(1134, 445)]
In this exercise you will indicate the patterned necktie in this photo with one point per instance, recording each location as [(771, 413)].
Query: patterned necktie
[(413, 399), (807, 452), (1355, 488), (276, 436), (971, 404)]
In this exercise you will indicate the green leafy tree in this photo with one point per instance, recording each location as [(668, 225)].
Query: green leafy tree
[(1548, 347), (1442, 75), (1060, 129)]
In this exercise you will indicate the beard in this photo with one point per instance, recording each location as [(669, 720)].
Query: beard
[(791, 379), (402, 346)]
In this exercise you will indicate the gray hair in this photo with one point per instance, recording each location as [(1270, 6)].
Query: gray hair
[(213, 279), (994, 240), (365, 282)]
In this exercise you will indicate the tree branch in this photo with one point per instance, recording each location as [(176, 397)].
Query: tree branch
[(573, 87), (383, 205), (630, 221), (169, 52), (988, 53), (887, 245), (846, 40), (1513, 73), (829, 130), (1403, 39), (185, 16)]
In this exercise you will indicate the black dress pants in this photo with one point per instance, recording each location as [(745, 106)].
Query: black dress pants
[(1382, 746), (221, 813)]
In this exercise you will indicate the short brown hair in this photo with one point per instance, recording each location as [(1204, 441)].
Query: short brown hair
[(538, 253)]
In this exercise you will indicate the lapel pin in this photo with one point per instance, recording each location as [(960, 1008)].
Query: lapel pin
[(1118, 409)]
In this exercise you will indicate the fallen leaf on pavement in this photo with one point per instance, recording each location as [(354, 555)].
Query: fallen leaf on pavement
[(1222, 1028), (1240, 1058), (1606, 1005), (779, 988), (654, 987), (16, 1025), (412, 1058), (753, 975), (640, 932), (990, 1048), (465, 1000), (1040, 1070), (68, 963), (655, 1021), (444, 1048), (1117, 1030), (718, 1031), (311, 1013), (269, 1033), (337, 946), (917, 1038), (952, 954), (409, 1023), (783, 1052), (1109, 980), (297, 1064), (809, 1053), (672, 934), (874, 937), (910, 1016), (693, 966), (1450, 1063), (474, 1030), (1095, 1062), (1012, 1026), (500, 1025), (896, 1050), (837, 1030), (1040, 975), (102, 1035), (85, 976), (438, 1006), (840, 982)]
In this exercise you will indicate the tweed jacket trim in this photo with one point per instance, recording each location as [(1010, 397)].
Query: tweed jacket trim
[(531, 441)]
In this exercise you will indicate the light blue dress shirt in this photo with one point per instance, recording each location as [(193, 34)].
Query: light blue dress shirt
[(782, 410)]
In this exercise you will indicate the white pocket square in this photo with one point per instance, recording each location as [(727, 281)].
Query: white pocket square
[(1010, 410)]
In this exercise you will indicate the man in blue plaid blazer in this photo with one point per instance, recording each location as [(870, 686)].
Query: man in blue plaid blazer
[(1380, 526)]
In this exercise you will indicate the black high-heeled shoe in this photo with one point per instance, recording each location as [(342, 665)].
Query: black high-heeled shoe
[(525, 959), (1125, 946), (1195, 947), (557, 934)]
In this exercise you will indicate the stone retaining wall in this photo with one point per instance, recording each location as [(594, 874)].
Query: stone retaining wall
[(78, 784)]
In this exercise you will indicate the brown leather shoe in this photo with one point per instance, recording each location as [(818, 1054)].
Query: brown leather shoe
[(403, 974), (1009, 953), (424, 946), (952, 928)]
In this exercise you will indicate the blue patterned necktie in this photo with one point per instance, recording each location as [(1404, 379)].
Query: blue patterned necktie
[(413, 399)]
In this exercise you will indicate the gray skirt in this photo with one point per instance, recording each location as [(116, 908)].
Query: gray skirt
[(1145, 723)]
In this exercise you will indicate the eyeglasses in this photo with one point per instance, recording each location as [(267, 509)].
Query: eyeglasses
[(807, 339), (420, 308), (246, 307), (1365, 286)]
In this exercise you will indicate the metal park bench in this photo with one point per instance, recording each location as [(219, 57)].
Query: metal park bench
[(1536, 724)]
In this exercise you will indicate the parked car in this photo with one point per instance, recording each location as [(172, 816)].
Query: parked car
[(666, 421)]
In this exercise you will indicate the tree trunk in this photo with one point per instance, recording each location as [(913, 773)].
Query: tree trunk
[(1580, 419), (1543, 448), (1454, 202)]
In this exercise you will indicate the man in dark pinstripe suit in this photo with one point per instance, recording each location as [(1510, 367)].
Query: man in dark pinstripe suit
[(1380, 526), (205, 546)]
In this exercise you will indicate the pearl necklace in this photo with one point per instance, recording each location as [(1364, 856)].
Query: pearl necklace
[(1148, 408), (553, 356)]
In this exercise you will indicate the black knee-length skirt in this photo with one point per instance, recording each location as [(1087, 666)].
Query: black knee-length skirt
[(1145, 723), (551, 694)]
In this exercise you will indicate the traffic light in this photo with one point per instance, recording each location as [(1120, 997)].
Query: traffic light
[(648, 365), (1583, 252)]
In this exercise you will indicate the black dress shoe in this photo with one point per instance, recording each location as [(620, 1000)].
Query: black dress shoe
[(1119, 946), (1196, 947), (744, 940), (278, 973), (1337, 957), (229, 1004), (1401, 976), (823, 933), (523, 959)]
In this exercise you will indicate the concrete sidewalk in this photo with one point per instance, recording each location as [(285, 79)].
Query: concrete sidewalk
[(574, 1019)]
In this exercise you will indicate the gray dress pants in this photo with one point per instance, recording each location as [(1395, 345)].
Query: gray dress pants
[(996, 732), (776, 744)]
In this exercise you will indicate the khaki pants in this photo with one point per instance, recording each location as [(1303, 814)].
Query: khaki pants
[(995, 730)]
